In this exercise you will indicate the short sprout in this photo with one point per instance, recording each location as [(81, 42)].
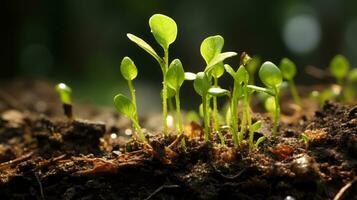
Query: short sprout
[(128, 69), (164, 29), (64, 92), (339, 67), (288, 68), (270, 75)]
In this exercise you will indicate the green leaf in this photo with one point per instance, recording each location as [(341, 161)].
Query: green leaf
[(242, 75), (260, 140), (269, 104), (217, 92), (218, 70), (352, 75), (256, 126), (128, 69), (270, 75), (170, 92), (339, 66), (288, 68), (175, 76), (219, 58), (164, 29), (189, 76), (230, 70), (64, 92), (211, 47), (252, 66), (124, 106), (201, 84), (141, 43)]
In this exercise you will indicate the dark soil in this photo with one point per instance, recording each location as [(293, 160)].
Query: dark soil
[(46, 157)]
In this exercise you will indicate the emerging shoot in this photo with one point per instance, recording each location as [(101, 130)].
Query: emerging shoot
[(288, 70), (64, 92)]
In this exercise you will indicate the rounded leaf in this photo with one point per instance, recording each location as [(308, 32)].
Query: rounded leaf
[(242, 75), (288, 68), (124, 106), (211, 46), (269, 104), (218, 92), (64, 92), (170, 92), (201, 84), (128, 69), (252, 66), (164, 29), (352, 75), (175, 75), (339, 66), (270, 74), (190, 76), (219, 58), (218, 70)]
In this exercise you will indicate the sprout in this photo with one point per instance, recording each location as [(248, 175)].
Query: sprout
[(288, 70), (175, 77), (259, 141), (64, 92), (129, 72), (252, 67), (240, 76), (252, 128), (271, 76), (269, 104), (339, 68), (126, 107), (201, 85), (164, 30), (306, 140)]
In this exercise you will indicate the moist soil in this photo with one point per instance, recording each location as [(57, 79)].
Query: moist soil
[(44, 156)]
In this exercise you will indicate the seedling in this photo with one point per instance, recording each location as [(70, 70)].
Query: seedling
[(126, 107), (164, 30), (252, 128), (175, 77), (201, 85), (64, 92), (252, 67), (288, 70), (259, 141), (129, 72), (306, 140), (211, 49), (339, 67)]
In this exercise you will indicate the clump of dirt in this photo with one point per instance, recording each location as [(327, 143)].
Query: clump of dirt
[(43, 157)]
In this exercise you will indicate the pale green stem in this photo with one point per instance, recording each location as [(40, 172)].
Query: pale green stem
[(234, 113), (277, 112), (178, 112), (164, 90), (138, 129), (249, 120), (215, 112), (243, 124), (133, 98), (205, 117), (294, 92)]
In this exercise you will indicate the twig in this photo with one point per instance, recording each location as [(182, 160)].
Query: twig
[(159, 190), (17, 160), (344, 189), (40, 184)]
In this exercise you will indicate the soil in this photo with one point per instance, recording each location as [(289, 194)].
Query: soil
[(43, 155)]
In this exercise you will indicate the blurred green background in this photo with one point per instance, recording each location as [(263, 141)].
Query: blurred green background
[(82, 42)]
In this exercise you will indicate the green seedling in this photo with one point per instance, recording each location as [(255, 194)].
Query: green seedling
[(259, 141), (64, 92), (339, 67), (288, 70), (252, 67), (217, 92), (164, 30), (126, 107), (211, 49), (252, 128), (201, 85), (129, 72), (241, 78), (306, 140), (269, 105), (175, 77)]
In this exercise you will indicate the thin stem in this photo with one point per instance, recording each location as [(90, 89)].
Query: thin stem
[(277, 112), (234, 113), (205, 117), (133, 98), (294, 92), (243, 125), (249, 120), (215, 112), (178, 112), (138, 129), (164, 90)]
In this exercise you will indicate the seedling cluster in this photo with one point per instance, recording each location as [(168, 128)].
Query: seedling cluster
[(206, 84)]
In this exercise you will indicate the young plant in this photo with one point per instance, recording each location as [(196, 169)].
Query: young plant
[(339, 67), (211, 49), (271, 76), (201, 85), (252, 67), (126, 107), (306, 139), (288, 70), (164, 30), (64, 92), (175, 77), (129, 72)]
